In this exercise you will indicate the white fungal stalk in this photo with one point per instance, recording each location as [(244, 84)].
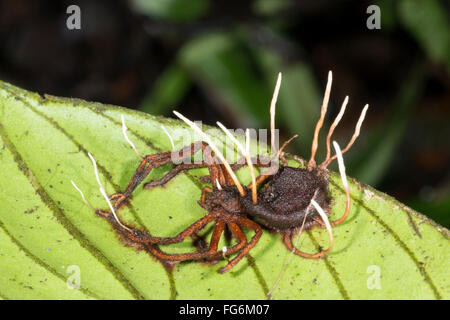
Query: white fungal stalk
[(341, 165), (170, 137), (218, 185), (324, 217), (250, 165), (344, 182), (273, 104), (103, 192), (215, 149), (224, 253), (323, 111), (246, 153), (124, 131), (82, 195)]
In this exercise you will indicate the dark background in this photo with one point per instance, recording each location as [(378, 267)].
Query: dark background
[(218, 60)]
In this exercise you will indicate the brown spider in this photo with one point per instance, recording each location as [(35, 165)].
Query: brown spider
[(293, 199)]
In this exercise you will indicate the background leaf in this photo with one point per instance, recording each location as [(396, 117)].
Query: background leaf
[(371, 164), (169, 89), (428, 23), (173, 10), (45, 227), (215, 62)]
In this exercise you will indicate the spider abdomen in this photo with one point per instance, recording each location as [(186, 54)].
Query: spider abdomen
[(286, 198)]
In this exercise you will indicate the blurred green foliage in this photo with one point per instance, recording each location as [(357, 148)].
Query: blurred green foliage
[(428, 22), (238, 75), (174, 10)]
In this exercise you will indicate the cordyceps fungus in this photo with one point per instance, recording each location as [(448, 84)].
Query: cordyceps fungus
[(284, 199)]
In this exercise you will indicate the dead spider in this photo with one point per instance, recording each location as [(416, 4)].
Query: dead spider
[(292, 200)]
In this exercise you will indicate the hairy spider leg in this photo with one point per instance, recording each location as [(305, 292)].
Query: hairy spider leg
[(240, 237), (212, 253), (205, 190), (287, 241), (244, 222), (172, 174), (289, 234), (155, 160), (151, 243), (257, 162), (183, 168), (217, 232), (235, 227), (217, 172)]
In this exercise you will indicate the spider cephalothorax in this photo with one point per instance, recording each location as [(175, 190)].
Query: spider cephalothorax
[(226, 198), (286, 200)]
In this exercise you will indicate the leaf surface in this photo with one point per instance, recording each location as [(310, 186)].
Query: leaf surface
[(46, 229)]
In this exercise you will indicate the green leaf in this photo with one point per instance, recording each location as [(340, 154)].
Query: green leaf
[(174, 10), (168, 90), (46, 229), (428, 22), (372, 162)]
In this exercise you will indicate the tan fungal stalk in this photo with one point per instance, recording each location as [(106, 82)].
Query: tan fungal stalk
[(103, 192), (124, 131), (333, 126), (326, 98), (215, 149), (352, 140), (285, 144)]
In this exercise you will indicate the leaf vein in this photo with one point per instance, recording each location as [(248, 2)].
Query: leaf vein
[(65, 222), (398, 240), (41, 263)]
